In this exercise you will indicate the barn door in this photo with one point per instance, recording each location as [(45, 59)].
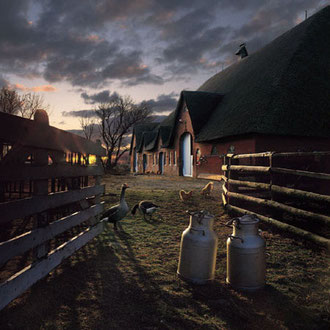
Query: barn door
[(144, 162), (161, 162), (186, 147), (135, 161)]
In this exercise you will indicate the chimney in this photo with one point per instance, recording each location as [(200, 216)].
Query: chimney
[(242, 51)]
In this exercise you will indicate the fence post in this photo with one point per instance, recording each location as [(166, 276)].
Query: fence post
[(2, 184), (271, 177), (231, 175), (224, 189), (41, 186), (98, 181)]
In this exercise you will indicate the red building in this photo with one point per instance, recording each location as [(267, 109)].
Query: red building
[(277, 99)]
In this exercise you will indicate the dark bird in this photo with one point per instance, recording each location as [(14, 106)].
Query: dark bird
[(119, 211), (146, 208)]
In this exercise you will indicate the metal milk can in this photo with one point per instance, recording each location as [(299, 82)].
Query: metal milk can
[(198, 249), (246, 264)]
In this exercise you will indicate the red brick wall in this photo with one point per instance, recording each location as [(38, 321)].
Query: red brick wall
[(212, 163), (291, 143)]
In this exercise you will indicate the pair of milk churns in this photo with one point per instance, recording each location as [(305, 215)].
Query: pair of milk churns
[(245, 252)]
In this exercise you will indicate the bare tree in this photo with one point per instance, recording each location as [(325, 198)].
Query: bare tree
[(10, 101), (24, 105), (116, 121), (87, 124), (30, 103)]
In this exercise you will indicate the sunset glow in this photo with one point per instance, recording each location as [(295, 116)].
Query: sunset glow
[(148, 50)]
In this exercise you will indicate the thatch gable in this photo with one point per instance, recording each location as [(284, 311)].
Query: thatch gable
[(138, 133), (200, 106), (150, 139)]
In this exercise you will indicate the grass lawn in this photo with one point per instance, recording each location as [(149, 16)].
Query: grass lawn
[(127, 279)]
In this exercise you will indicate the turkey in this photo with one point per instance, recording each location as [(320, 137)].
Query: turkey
[(117, 212), (146, 208)]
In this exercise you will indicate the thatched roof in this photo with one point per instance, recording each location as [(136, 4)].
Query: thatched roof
[(282, 89)]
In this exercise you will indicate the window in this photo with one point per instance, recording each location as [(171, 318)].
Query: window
[(174, 158), (214, 150), (153, 159), (231, 149), (165, 158), (169, 157)]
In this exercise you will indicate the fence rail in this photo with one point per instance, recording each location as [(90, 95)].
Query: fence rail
[(270, 191), (48, 188)]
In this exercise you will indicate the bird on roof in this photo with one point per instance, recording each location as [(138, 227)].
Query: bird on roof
[(119, 211), (146, 208)]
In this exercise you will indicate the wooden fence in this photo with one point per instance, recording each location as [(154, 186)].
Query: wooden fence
[(290, 190), (49, 199)]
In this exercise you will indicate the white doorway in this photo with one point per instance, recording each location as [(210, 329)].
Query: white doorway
[(187, 157)]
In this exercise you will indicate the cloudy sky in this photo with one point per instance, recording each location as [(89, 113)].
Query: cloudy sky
[(77, 53)]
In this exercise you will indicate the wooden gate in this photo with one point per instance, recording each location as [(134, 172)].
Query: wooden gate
[(50, 188), (289, 190)]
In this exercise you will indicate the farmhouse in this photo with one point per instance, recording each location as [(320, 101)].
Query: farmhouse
[(276, 99)]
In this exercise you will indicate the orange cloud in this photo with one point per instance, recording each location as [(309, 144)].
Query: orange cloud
[(43, 88), (94, 37)]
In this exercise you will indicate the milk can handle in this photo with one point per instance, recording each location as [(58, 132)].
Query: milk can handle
[(230, 223), (236, 237), (199, 214)]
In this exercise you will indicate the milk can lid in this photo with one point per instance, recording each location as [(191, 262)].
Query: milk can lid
[(248, 219)]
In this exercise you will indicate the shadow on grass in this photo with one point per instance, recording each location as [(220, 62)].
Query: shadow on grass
[(91, 291), (267, 308), (105, 285)]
